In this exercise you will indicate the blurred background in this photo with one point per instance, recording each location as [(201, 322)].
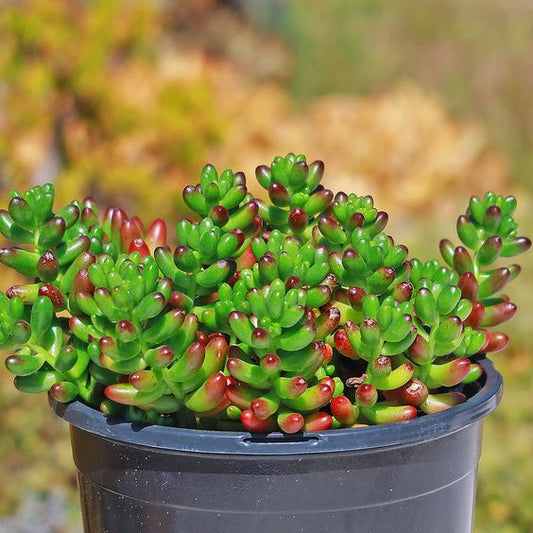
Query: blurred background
[(420, 104)]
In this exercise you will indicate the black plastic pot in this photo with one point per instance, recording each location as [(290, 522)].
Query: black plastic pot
[(418, 475)]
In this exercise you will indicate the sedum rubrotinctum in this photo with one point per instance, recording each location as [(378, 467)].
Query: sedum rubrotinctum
[(293, 313)]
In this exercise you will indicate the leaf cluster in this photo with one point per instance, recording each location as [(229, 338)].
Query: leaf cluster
[(298, 314)]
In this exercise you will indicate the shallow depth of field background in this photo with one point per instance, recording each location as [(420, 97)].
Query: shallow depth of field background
[(420, 104)]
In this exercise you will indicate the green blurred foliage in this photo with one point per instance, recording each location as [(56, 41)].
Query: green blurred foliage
[(476, 54), (91, 94)]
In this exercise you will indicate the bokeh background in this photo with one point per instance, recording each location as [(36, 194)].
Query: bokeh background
[(420, 104)]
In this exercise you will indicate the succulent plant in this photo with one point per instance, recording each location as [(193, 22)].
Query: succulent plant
[(293, 313), (296, 196)]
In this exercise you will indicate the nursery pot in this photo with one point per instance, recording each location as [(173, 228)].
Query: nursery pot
[(418, 475)]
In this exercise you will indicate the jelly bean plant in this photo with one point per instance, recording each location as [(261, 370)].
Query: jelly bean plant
[(292, 312)]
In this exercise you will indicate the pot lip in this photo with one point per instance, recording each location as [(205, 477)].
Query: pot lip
[(398, 434)]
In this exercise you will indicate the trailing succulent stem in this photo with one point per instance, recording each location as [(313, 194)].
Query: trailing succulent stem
[(295, 312)]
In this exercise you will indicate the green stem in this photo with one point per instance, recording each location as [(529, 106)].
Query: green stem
[(48, 357), (85, 392), (173, 387)]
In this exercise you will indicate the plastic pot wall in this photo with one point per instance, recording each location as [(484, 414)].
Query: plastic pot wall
[(418, 475)]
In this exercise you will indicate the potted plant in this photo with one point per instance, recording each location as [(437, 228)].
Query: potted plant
[(286, 365)]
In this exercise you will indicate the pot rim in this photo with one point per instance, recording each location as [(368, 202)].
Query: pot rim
[(397, 434)]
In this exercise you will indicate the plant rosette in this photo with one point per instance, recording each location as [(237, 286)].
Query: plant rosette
[(294, 313)]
